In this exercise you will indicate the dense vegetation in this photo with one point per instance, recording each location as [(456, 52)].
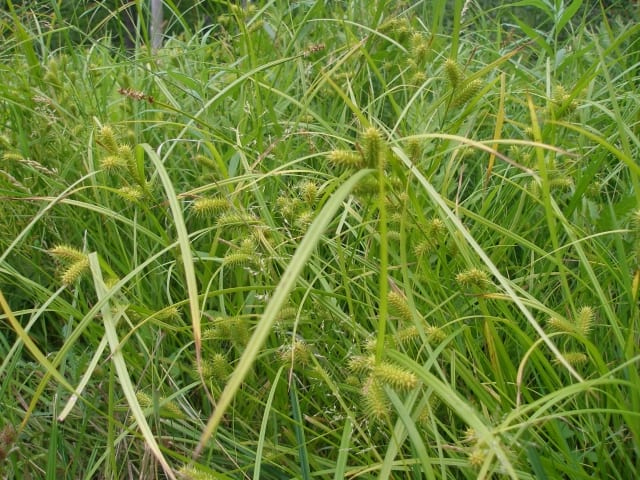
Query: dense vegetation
[(321, 239)]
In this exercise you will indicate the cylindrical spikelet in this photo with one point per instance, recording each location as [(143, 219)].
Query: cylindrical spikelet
[(361, 363), (190, 472), (435, 334), (206, 206), (584, 320), (376, 402), (131, 193), (394, 376), (112, 163), (216, 368), (373, 147), (406, 335), (573, 358), (398, 305), (75, 271), (473, 278), (419, 48), (453, 73), (235, 220), (560, 325), (144, 400), (67, 253), (309, 192), (239, 259), (467, 92), (107, 138), (345, 159), (415, 148)]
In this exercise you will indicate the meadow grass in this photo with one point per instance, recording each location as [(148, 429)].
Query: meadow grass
[(321, 240)]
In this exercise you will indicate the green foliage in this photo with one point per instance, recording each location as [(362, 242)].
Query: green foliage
[(320, 239)]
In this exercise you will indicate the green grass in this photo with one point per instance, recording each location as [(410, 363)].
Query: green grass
[(321, 240)]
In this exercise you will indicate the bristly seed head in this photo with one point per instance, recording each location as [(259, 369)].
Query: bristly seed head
[(473, 278), (345, 159)]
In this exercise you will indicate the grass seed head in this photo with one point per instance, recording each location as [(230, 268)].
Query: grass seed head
[(574, 359), (399, 306), (474, 278), (208, 206), (375, 400), (107, 138), (394, 376), (453, 72), (345, 159), (467, 92), (75, 271), (584, 320), (373, 147)]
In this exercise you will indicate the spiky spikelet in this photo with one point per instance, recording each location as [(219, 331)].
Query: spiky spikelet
[(453, 72), (415, 149), (419, 49), (131, 193), (236, 221), (473, 278), (67, 253), (77, 263), (394, 376), (399, 306), (406, 335), (435, 334), (168, 314), (373, 147), (467, 92), (304, 219), (113, 164), (216, 368), (309, 192), (206, 207), (74, 271), (375, 400), (190, 472), (361, 363), (478, 456), (573, 358), (346, 159), (584, 320), (239, 259), (107, 138), (297, 353)]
